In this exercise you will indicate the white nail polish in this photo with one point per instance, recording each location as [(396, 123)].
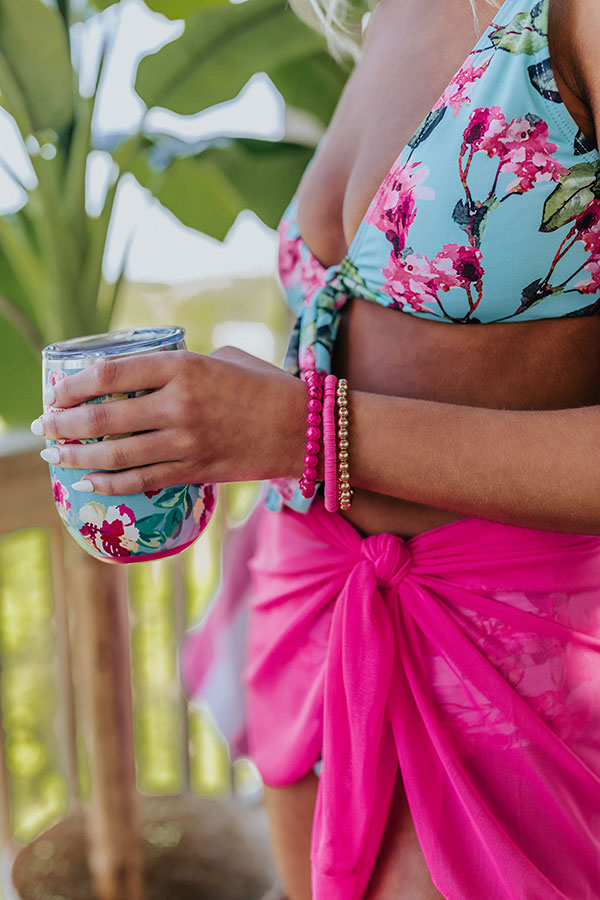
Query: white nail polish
[(83, 485), (49, 396), (50, 454), (37, 426)]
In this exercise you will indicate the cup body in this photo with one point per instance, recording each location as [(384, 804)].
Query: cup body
[(130, 527)]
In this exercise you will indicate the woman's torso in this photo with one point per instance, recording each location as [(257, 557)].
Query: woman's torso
[(413, 49)]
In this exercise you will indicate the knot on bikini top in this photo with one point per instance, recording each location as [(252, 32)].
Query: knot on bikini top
[(389, 556)]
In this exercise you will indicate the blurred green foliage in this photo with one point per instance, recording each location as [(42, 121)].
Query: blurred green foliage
[(52, 249)]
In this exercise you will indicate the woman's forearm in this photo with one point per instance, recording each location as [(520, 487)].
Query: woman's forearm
[(533, 469)]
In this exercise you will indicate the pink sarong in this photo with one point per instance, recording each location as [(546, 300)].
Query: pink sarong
[(470, 657)]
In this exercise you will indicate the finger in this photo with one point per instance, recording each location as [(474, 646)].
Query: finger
[(112, 376), (136, 481), (94, 420), (121, 453)]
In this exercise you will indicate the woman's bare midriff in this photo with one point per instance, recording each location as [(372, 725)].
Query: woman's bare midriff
[(544, 364)]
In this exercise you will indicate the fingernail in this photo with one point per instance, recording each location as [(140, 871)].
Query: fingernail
[(49, 396), (37, 426), (83, 485), (50, 454)]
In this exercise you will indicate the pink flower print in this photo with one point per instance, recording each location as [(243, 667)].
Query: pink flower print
[(529, 154), (393, 208), (60, 494), (307, 359), (593, 284), (204, 506), (413, 281), (484, 129), (455, 96), (56, 375), (285, 487), (466, 268), (590, 216), (111, 531), (522, 146), (587, 226), (288, 257), (312, 277)]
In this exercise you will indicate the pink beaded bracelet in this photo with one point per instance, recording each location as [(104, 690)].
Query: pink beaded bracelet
[(314, 421), (329, 445)]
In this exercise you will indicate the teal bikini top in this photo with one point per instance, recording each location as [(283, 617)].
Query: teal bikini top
[(490, 213)]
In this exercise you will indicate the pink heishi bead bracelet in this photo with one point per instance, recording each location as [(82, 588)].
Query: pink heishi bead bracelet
[(329, 445), (314, 421)]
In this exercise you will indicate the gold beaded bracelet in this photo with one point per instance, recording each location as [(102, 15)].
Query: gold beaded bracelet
[(344, 489)]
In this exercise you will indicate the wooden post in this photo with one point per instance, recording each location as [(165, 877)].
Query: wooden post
[(98, 596)]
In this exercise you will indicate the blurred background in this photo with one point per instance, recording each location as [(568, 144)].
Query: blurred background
[(147, 152)]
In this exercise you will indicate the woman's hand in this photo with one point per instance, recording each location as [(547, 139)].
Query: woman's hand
[(208, 419)]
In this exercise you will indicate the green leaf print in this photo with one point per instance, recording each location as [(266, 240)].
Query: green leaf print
[(149, 523), (431, 121), (173, 523), (575, 191), (350, 279), (526, 33), (171, 496), (154, 540), (542, 78)]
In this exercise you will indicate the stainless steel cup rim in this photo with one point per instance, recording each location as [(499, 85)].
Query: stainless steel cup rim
[(124, 342)]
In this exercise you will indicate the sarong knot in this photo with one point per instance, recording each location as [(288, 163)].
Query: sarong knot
[(389, 556)]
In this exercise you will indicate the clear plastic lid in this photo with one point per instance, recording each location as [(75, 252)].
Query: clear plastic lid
[(115, 343)]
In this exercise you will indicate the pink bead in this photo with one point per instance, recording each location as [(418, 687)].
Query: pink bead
[(315, 392), (315, 405), (313, 419), (313, 434), (312, 447), (310, 475), (311, 461)]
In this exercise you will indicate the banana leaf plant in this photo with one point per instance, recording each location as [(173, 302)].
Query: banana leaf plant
[(52, 248)]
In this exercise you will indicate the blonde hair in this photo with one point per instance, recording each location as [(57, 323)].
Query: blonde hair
[(341, 21)]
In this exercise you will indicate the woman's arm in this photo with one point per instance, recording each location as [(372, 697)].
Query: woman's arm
[(534, 469), (232, 417)]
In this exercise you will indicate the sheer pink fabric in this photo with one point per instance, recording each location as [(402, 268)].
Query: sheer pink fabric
[(470, 657)]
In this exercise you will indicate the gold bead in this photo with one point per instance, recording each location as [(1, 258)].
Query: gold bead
[(343, 454), (344, 445), (345, 494), (342, 401), (344, 466), (342, 383), (344, 483), (343, 433)]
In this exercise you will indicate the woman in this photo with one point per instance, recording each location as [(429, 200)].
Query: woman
[(438, 643)]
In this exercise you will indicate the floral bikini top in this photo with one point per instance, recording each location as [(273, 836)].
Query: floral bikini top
[(490, 213)]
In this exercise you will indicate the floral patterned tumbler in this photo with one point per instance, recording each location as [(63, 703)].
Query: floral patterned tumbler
[(133, 527)]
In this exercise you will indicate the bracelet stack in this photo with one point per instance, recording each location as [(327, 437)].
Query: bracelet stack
[(321, 425)]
